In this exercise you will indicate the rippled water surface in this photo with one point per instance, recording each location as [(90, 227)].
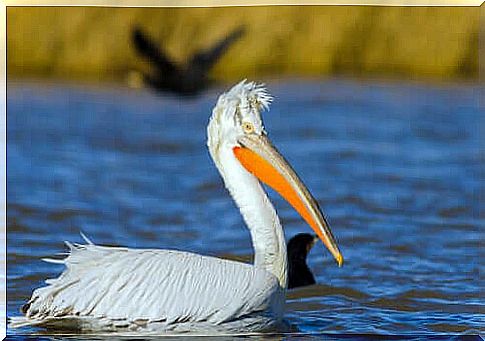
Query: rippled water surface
[(396, 168)]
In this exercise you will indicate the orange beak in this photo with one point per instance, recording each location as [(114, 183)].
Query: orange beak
[(259, 157)]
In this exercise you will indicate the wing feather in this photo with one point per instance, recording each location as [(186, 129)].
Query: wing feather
[(143, 286)]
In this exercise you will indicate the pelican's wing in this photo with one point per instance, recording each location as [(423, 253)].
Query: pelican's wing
[(147, 48), (207, 58), (143, 286)]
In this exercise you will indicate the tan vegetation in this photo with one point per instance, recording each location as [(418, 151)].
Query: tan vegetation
[(94, 43)]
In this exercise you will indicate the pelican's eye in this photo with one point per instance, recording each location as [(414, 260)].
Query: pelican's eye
[(248, 127)]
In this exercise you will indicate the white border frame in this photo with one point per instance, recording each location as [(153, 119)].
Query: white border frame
[(161, 3)]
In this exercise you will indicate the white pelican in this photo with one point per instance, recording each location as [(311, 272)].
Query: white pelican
[(120, 289)]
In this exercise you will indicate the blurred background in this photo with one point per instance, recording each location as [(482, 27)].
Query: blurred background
[(81, 43), (376, 108)]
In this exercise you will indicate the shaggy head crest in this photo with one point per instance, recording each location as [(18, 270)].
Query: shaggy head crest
[(245, 94)]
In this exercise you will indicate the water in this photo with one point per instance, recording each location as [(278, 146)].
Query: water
[(396, 168)]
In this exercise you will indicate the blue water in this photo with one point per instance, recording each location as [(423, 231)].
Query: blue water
[(395, 167)]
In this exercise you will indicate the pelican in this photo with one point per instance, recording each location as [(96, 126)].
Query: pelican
[(122, 289)]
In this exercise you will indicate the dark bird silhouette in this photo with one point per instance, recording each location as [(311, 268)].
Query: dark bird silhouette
[(299, 274), (190, 79)]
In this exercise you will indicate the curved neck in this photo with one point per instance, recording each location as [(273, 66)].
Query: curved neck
[(258, 213)]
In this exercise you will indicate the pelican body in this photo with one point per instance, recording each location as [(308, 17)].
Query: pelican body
[(121, 289)]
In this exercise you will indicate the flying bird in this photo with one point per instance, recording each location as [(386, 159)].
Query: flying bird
[(121, 289), (299, 274), (189, 79)]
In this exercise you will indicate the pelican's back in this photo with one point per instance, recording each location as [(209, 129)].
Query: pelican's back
[(115, 288)]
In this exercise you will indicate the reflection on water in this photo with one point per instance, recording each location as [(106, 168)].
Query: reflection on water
[(395, 168)]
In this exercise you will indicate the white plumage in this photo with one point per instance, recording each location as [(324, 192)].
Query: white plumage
[(112, 288), (121, 289)]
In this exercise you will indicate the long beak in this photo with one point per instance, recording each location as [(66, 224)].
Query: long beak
[(261, 158)]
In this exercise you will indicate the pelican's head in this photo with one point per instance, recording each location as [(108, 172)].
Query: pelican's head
[(236, 124)]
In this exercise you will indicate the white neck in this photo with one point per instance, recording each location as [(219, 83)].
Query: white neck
[(258, 213)]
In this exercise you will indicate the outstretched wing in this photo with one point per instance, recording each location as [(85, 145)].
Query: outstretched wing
[(207, 58), (147, 48), (134, 286)]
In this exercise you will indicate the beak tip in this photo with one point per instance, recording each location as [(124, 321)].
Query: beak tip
[(340, 260)]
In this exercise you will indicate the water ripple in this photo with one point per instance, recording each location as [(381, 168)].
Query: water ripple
[(395, 167)]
